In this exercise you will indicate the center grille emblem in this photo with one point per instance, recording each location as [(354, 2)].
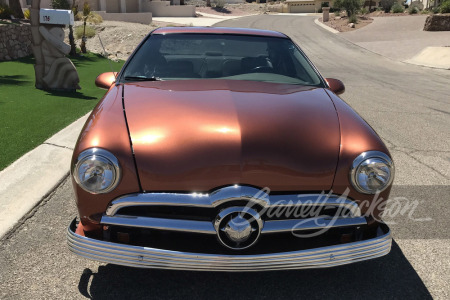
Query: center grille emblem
[(238, 227)]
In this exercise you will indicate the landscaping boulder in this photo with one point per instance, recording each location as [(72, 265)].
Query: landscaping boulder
[(351, 25), (437, 23)]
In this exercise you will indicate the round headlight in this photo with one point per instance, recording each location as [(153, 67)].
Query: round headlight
[(372, 172), (97, 171)]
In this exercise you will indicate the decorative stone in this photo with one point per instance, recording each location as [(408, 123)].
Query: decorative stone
[(351, 25), (437, 23)]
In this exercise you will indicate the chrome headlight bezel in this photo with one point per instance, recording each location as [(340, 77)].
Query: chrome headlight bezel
[(367, 156), (104, 156)]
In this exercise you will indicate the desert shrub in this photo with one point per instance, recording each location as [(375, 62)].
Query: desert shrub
[(60, 4), (92, 18), (363, 11), (445, 7), (397, 8), (387, 5), (27, 14), (413, 10), (75, 10), (220, 3), (435, 10), (90, 32), (337, 13), (425, 11), (5, 12), (353, 19)]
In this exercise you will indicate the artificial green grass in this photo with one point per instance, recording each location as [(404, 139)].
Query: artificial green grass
[(29, 116)]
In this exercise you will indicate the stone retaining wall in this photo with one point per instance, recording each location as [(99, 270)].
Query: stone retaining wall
[(437, 23), (15, 41)]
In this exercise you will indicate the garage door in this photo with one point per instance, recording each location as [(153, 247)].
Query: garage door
[(302, 7)]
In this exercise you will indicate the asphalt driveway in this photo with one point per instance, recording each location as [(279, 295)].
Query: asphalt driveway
[(399, 38)]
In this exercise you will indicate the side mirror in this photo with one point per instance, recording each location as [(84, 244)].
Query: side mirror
[(105, 80), (336, 86)]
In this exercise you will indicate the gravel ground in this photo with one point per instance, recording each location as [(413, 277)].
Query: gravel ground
[(341, 23), (119, 38)]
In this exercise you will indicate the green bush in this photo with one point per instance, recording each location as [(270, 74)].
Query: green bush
[(353, 19), (5, 12), (60, 4), (445, 7), (435, 10), (364, 11), (337, 13), (397, 8), (387, 5), (90, 32), (413, 10)]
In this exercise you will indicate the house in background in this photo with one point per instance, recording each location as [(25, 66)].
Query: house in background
[(139, 11)]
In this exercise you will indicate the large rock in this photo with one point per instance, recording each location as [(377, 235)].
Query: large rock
[(437, 23)]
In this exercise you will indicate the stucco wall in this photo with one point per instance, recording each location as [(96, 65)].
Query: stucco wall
[(164, 9), (143, 18), (15, 41)]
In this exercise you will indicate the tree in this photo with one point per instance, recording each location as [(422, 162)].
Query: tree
[(16, 7), (350, 6), (60, 4), (387, 5)]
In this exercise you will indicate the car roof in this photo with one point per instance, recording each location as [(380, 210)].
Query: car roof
[(218, 30)]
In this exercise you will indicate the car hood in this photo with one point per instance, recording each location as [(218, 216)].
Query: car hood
[(197, 135)]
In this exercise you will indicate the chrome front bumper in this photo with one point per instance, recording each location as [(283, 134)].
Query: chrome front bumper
[(144, 257)]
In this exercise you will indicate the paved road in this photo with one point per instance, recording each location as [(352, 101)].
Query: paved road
[(407, 105), (399, 38)]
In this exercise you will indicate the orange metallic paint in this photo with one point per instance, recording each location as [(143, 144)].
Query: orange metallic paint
[(197, 135), (218, 30), (105, 80), (356, 137), (106, 128)]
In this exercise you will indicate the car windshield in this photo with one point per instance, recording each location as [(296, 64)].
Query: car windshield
[(213, 56)]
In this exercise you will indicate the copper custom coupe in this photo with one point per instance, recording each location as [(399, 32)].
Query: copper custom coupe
[(224, 149)]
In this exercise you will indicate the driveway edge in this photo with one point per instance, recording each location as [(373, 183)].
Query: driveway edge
[(332, 30), (34, 176)]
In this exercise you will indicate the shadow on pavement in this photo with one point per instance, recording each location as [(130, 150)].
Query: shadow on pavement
[(391, 276)]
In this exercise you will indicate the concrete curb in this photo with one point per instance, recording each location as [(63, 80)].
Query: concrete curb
[(332, 30), (31, 178)]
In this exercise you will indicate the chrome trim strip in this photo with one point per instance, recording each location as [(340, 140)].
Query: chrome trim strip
[(145, 257), (311, 224), (231, 193), (206, 227), (160, 224)]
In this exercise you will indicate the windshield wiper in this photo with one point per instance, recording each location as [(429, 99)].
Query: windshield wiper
[(142, 78)]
